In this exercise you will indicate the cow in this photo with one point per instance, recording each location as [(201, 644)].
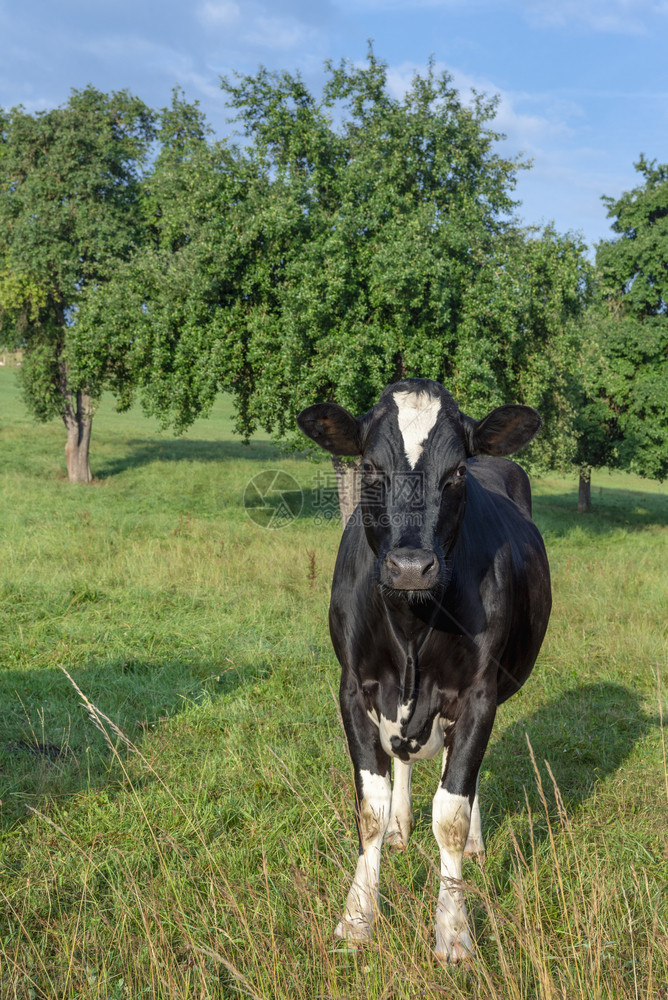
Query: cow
[(440, 601)]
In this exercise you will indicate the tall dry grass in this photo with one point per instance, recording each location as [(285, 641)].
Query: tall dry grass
[(561, 925)]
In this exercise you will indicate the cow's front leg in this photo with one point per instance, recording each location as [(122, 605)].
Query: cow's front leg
[(372, 810), (401, 822), (451, 823)]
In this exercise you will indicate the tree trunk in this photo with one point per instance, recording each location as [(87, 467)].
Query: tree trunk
[(78, 420), (584, 490), (348, 486)]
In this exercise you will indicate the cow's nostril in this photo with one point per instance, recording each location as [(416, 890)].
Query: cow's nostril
[(394, 566), (429, 566), (410, 569)]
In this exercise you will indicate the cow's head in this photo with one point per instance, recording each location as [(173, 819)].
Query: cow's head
[(414, 446)]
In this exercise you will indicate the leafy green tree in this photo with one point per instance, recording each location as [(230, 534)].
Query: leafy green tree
[(633, 269), (168, 330), (69, 212), (623, 416), (380, 212), (392, 251), (355, 239)]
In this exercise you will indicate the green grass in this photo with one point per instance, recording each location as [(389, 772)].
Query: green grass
[(199, 840)]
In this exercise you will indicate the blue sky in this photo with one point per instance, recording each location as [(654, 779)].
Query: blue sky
[(583, 84)]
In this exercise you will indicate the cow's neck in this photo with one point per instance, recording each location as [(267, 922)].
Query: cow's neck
[(408, 623), (408, 633)]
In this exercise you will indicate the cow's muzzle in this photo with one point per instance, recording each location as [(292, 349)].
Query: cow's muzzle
[(410, 569)]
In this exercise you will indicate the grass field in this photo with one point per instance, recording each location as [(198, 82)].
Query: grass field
[(176, 819)]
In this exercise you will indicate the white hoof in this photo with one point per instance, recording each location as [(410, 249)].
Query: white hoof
[(453, 941), (395, 841), (475, 849), (398, 833), (458, 949), (355, 930)]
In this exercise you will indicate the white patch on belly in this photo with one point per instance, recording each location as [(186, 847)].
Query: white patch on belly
[(417, 751), (403, 715), (388, 729), (417, 414)]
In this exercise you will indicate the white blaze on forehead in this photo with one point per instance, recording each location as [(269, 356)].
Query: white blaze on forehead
[(417, 414)]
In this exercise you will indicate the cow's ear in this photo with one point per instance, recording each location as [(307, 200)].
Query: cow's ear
[(503, 431), (332, 427)]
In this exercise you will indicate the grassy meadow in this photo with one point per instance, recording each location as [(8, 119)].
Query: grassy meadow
[(176, 816)]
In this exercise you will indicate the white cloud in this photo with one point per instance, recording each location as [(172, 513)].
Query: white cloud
[(279, 33), (175, 66), (219, 12), (611, 16), (403, 6), (528, 120), (207, 86), (261, 26)]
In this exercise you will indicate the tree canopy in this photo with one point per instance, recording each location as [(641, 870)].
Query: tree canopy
[(162, 330), (395, 250), (623, 413), (355, 238), (70, 183), (352, 238), (633, 269)]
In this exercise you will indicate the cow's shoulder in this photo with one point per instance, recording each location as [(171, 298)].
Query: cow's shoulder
[(505, 478)]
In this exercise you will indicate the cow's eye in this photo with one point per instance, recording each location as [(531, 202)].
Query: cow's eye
[(368, 467), (457, 476)]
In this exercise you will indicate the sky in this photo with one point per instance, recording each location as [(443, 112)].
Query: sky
[(582, 84)]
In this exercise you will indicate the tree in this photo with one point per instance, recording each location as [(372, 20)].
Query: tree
[(394, 252), (166, 330), (378, 222), (355, 239), (623, 417), (69, 212)]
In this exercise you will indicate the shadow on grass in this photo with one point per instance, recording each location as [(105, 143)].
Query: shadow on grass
[(144, 451), (50, 748), (585, 735), (613, 509)]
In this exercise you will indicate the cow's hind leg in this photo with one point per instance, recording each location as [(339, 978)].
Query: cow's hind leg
[(401, 822), (475, 845), (373, 797)]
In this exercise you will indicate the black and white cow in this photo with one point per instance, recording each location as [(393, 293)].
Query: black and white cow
[(440, 601)]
